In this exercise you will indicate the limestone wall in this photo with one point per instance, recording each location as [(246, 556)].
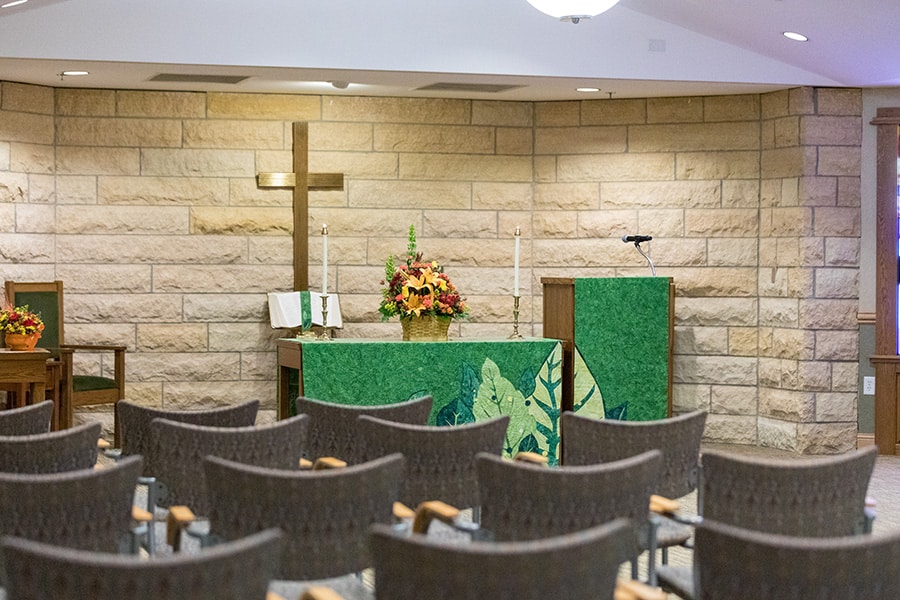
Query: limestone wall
[(145, 204)]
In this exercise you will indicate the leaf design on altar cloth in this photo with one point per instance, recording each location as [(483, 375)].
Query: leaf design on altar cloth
[(587, 397), (497, 397), (459, 410), (544, 404)]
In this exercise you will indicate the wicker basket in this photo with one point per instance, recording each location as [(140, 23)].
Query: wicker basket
[(427, 328)]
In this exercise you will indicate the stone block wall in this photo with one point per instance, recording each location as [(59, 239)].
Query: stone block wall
[(146, 205)]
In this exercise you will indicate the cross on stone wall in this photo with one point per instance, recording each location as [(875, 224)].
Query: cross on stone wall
[(301, 181)]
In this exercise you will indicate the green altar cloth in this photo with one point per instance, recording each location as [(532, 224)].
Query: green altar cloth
[(470, 381)]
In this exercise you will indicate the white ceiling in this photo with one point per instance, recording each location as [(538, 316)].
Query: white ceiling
[(640, 48)]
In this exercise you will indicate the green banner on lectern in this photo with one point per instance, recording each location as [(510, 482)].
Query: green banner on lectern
[(622, 330)]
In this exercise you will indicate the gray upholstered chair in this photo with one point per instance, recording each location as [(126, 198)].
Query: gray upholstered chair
[(325, 515), (810, 497), (52, 452), (440, 461), (333, 426), (134, 424), (239, 570), (89, 509), (585, 441), (740, 564), (522, 501), (27, 420), (575, 566), (179, 448)]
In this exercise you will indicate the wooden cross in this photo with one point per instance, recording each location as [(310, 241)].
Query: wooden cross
[(301, 180)]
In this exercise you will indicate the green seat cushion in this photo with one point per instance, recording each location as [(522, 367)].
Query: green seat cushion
[(90, 383)]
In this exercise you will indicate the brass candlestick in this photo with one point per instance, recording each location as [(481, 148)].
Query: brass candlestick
[(326, 334), (515, 334)]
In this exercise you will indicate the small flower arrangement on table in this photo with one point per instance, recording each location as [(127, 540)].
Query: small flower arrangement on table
[(420, 292), (21, 327)]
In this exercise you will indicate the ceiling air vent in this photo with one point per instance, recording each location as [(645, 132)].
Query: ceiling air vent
[(486, 88), (187, 78)]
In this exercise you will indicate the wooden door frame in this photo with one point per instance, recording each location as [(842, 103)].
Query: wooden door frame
[(886, 359)]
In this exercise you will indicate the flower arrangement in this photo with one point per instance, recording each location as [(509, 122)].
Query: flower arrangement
[(20, 320), (419, 288)]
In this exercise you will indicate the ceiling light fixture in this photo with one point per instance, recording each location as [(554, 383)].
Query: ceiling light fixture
[(587, 89), (793, 35), (74, 73), (573, 10), (13, 3)]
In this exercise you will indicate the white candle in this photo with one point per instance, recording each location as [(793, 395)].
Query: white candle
[(324, 259), (516, 265)]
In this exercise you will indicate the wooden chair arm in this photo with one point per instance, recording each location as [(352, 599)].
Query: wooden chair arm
[(631, 589), (141, 515), (103, 444), (321, 463), (317, 592), (402, 512), (101, 347), (431, 510), (662, 505), (328, 462), (178, 519), (531, 457)]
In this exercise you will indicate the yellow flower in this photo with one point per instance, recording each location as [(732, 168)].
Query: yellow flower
[(414, 304)]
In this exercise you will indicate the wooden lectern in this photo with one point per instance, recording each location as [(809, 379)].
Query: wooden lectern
[(618, 337)]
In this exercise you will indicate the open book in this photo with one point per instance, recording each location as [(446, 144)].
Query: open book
[(302, 309)]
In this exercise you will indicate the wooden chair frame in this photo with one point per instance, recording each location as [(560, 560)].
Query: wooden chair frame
[(68, 395)]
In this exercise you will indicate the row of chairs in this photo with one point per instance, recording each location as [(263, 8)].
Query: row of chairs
[(525, 478), (277, 496)]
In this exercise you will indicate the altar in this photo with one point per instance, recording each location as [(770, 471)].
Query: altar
[(470, 380)]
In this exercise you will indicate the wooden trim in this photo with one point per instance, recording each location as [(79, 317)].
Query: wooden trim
[(290, 357), (865, 318), (885, 359), (865, 439), (886, 116)]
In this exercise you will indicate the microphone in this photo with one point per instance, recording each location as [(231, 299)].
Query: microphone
[(637, 239)]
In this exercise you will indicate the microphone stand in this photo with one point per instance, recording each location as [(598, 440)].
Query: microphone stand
[(644, 254)]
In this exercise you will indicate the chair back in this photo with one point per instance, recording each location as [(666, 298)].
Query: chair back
[(440, 461), (239, 570), (45, 298), (586, 441), (134, 423), (521, 501), (333, 426), (739, 564), (575, 566), (27, 420), (325, 515), (53, 452), (88, 509), (815, 497), (179, 449)]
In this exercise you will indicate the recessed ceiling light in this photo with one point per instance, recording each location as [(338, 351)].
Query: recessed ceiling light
[(75, 73), (797, 37), (13, 3), (587, 89)]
